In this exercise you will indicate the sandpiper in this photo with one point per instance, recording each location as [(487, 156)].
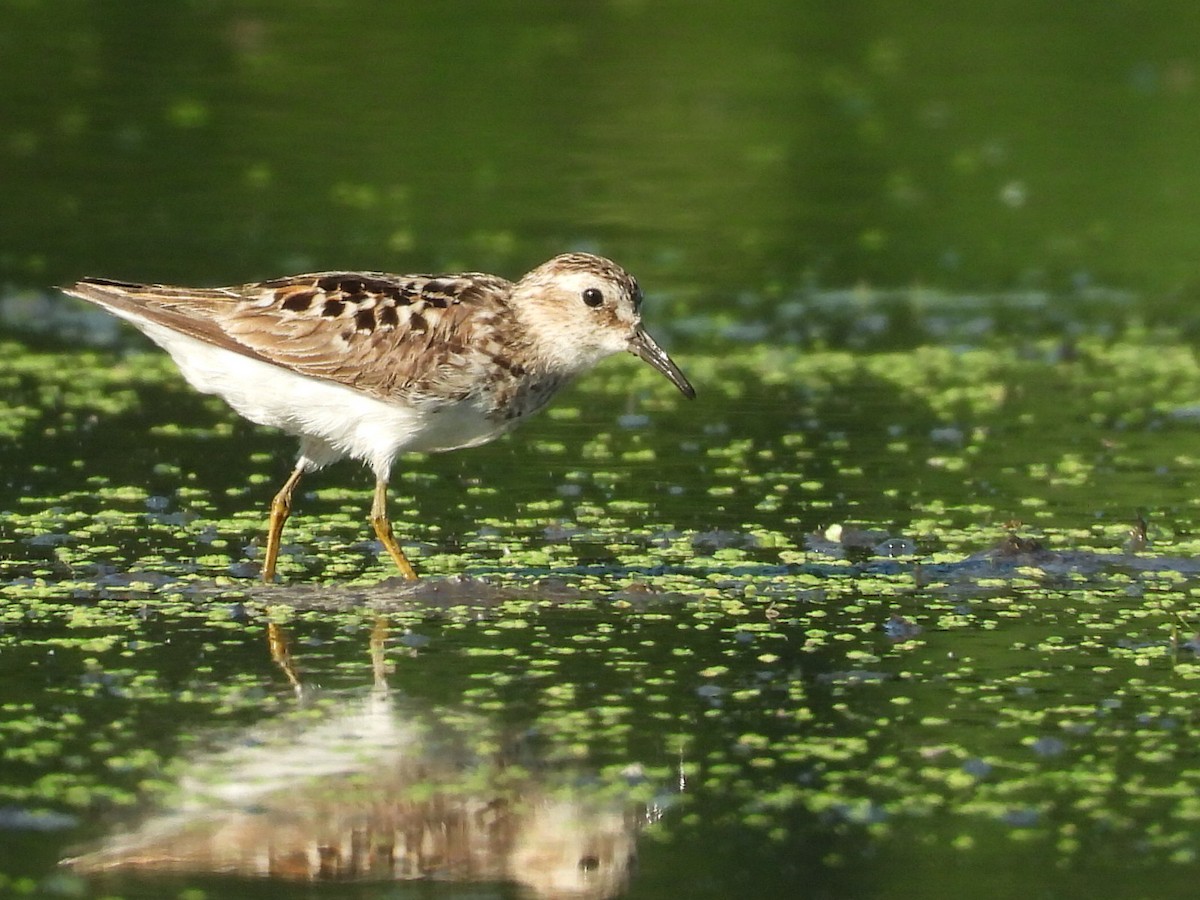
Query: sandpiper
[(369, 365)]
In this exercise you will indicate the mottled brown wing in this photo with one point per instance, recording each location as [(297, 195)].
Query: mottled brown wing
[(386, 335), (180, 309)]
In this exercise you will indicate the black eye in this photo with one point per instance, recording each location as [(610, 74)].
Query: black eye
[(593, 297)]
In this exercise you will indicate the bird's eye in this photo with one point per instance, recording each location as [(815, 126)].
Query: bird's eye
[(593, 297)]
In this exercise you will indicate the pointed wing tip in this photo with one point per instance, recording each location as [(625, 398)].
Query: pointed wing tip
[(89, 288)]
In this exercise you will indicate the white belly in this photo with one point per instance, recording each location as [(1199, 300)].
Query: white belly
[(334, 420)]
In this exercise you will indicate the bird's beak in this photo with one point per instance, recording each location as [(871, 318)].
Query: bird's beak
[(643, 346)]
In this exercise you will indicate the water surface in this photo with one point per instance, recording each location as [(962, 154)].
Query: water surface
[(904, 604)]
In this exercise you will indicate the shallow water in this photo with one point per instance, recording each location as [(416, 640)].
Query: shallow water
[(904, 604)]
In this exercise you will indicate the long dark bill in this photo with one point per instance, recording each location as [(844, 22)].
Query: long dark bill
[(643, 346)]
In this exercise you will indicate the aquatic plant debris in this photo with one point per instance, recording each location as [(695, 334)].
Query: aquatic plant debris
[(944, 603)]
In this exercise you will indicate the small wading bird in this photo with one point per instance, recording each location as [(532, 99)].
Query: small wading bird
[(369, 365)]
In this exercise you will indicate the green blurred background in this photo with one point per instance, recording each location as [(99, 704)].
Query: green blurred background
[(727, 153)]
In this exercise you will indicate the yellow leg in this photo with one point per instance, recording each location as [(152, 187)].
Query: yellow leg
[(378, 646), (383, 531), (278, 643), (281, 508)]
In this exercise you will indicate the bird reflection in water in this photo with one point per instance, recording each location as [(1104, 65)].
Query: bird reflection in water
[(365, 788)]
